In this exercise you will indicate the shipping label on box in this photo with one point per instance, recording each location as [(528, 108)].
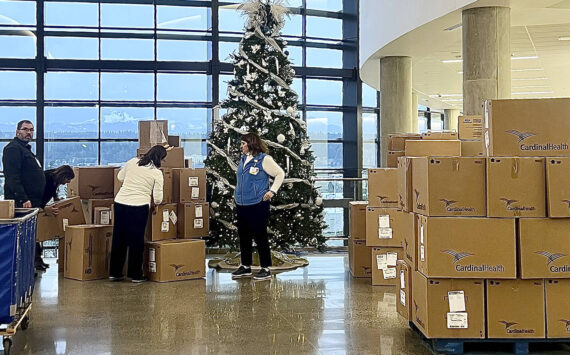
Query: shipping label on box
[(470, 128), (558, 187), (404, 272), (467, 247), (516, 187), (449, 186), (359, 258), (384, 227), (384, 261), (382, 187), (515, 309), (533, 127)]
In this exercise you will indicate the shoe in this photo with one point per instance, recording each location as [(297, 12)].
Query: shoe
[(263, 274), (138, 281), (116, 278), (241, 272), (44, 264), (40, 267)]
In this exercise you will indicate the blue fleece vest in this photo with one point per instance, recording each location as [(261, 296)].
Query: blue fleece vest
[(251, 188)]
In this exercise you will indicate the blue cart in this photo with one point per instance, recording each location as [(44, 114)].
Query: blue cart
[(17, 246)]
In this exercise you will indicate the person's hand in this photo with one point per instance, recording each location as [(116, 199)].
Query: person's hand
[(27, 204), (52, 210), (268, 195)]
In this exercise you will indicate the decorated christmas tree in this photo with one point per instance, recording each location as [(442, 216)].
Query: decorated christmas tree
[(261, 100)]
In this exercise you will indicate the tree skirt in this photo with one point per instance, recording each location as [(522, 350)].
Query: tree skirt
[(280, 261)]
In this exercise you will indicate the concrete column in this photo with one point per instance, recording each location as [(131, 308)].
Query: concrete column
[(415, 123), (486, 56), (395, 99), (450, 119)]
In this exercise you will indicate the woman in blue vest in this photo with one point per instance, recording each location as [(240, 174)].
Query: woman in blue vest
[(252, 195)]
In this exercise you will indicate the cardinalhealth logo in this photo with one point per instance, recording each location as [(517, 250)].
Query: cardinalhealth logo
[(551, 257), (566, 324), (383, 199), (182, 273), (509, 205), (459, 267), (522, 136), (510, 330), (450, 208)]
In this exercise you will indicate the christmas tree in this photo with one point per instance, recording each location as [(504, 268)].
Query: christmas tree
[(261, 100)]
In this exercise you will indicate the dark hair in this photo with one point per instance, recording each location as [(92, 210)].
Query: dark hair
[(254, 143), (63, 173), (22, 122), (154, 156)]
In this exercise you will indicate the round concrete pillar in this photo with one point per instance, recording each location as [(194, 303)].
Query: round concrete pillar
[(395, 99), (415, 122), (450, 117), (486, 56)]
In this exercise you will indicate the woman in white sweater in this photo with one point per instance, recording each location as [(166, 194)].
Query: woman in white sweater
[(142, 180), (252, 195)]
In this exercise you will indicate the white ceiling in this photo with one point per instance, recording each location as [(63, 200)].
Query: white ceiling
[(536, 27)]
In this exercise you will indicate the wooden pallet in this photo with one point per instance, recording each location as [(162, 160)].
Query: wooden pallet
[(511, 346)]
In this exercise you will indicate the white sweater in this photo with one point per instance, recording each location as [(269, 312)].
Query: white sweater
[(272, 169), (139, 182)]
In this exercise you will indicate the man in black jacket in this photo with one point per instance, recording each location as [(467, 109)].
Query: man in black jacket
[(25, 179)]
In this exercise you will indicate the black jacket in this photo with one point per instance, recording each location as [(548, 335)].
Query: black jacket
[(51, 188), (24, 175)]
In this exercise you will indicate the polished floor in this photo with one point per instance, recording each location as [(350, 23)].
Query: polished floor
[(314, 310)]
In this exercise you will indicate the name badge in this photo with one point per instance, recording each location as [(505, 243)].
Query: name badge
[(253, 170)]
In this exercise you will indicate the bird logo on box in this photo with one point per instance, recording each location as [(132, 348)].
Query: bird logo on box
[(566, 324), (521, 135), (176, 267), (550, 256), (447, 202), (508, 202), (457, 255), (507, 324), (567, 202)]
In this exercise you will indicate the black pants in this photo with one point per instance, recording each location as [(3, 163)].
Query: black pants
[(128, 232), (252, 225)]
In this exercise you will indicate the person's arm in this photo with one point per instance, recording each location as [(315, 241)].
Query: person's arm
[(12, 161), (275, 171), (121, 174), (157, 190)]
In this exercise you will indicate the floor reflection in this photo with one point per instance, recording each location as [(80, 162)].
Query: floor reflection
[(314, 310)]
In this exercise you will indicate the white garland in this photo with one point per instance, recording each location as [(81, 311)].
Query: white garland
[(221, 178), (222, 153), (277, 145), (262, 69), (294, 180)]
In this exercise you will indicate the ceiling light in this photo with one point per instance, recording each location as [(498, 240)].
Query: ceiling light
[(533, 93), (454, 100), (565, 38), (527, 57), (460, 72), (452, 61), (530, 86), (512, 58), (446, 95), (529, 79), (528, 69)]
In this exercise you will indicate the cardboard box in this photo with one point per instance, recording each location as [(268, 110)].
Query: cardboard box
[(405, 188), (515, 309), (116, 182), (397, 142), (103, 216), (89, 207), (448, 308), (92, 182), (357, 220), (534, 127), (392, 158), (60, 254), (404, 294), (47, 227), (445, 186), (409, 235), (558, 187), (153, 133), (384, 227), (383, 187), (544, 248), (174, 141), (188, 185), (359, 258), (557, 310), (87, 253), (467, 247), (437, 148), (7, 209), (472, 149), (193, 220), (162, 222), (70, 213), (470, 128), (175, 260), (440, 135), (516, 187), (174, 157), (384, 261)]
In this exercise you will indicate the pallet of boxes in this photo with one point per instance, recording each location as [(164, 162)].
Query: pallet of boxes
[(490, 257), (174, 249)]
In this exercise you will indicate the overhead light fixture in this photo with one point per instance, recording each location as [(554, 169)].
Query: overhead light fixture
[(527, 69), (455, 100), (565, 38), (446, 95), (530, 86), (452, 61), (526, 57), (460, 72), (529, 79), (454, 27), (533, 93)]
